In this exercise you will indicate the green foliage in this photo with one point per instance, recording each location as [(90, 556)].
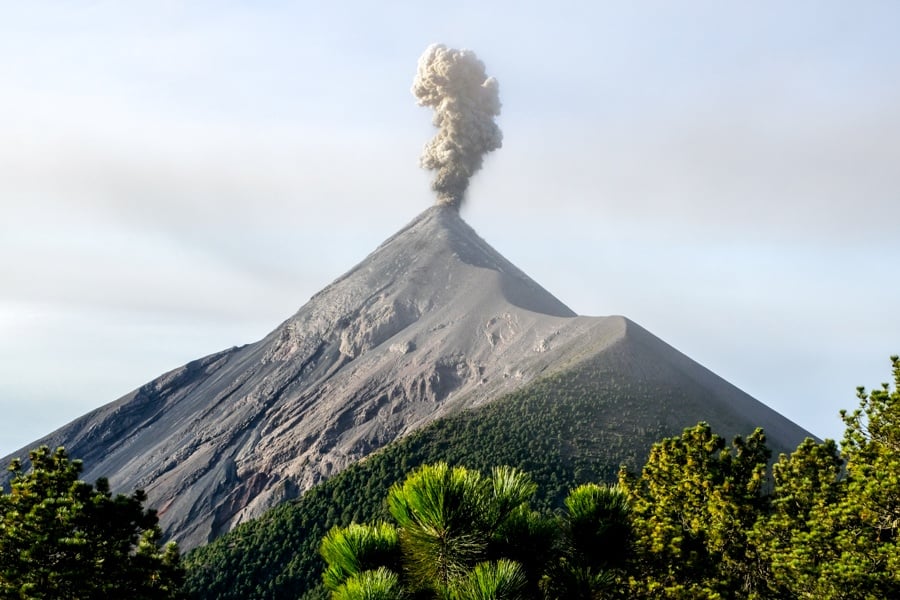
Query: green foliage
[(596, 511), (583, 568), (376, 584), (796, 533), (500, 580), (868, 517), (449, 516), (62, 538), (442, 515), (827, 527), (693, 505), (833, 525), (350, 550), (461, 534)]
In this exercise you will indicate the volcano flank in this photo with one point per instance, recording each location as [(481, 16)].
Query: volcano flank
[(432, 323)]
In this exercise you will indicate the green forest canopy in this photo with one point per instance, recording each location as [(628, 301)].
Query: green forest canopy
[(701, 519), (698, 521), (62, 538)]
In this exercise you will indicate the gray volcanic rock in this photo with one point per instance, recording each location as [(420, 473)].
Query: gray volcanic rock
[(434, 321)]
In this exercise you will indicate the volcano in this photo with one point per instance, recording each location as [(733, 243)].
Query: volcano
[(432, 323)]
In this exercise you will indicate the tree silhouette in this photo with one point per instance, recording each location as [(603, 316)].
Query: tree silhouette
[(62, 538)]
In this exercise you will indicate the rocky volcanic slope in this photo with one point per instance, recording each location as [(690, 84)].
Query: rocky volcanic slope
[(433, 322)]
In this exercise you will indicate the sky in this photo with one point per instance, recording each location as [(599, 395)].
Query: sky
[(178, 178)]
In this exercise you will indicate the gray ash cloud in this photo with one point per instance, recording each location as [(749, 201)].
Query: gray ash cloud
[(465, 101)]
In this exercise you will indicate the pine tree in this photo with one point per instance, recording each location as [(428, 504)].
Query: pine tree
[(868, 519), (62, 538), (464, 536), (692, 506)]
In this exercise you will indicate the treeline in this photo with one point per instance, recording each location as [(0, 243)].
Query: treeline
[(702, 520), (563, 430)]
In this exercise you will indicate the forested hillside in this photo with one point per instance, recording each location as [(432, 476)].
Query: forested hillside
[(701, 519), (570, 428)]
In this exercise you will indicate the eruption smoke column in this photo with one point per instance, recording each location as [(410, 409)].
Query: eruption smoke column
[(465, 102)]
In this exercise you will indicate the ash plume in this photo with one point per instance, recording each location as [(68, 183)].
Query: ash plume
[(465, 101)]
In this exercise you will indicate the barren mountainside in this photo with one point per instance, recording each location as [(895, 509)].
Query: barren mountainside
[(434, 321)]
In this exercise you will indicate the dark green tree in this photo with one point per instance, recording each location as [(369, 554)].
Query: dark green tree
[(796, 534), (692, 507), (355, 549), (464, 536), (496, 580), (373, 584), (62, 538), (832, 529), (867, 521), (593, 542), (451, 520), (452, 526)]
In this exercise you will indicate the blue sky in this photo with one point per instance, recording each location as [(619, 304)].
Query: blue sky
[(177, 178)]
